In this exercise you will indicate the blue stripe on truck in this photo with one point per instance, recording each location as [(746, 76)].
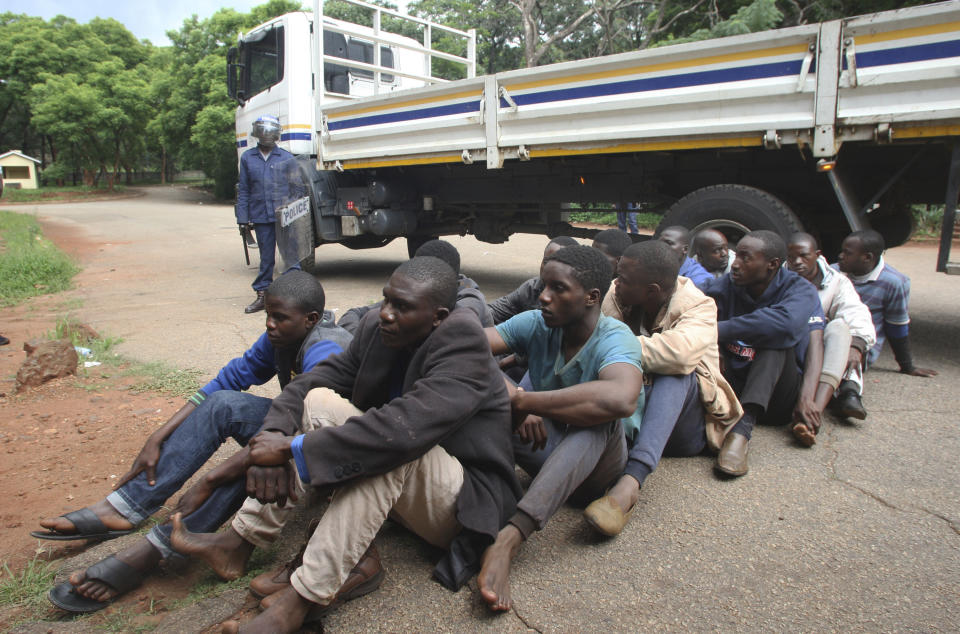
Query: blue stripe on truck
[(466, 107), (906, 54), (666, 82)]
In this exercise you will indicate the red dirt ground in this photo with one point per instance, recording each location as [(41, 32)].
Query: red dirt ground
[(65, 444)]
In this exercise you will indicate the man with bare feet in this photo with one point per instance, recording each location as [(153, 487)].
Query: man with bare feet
[(296, 339), (689, 405), (586, 387), (411, 421)]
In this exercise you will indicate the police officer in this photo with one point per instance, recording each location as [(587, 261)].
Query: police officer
[(263, 170)]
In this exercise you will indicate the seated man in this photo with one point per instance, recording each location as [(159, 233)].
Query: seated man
[(411, 421), (710, 249), (886, 292), (585, 375), (612, 242), (678, 239), (848, 335), (295, 340), (527, 295), (468, 292), (688, 403), (768, 318)]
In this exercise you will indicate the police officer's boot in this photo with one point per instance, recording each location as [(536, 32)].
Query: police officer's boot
[(256, 305)]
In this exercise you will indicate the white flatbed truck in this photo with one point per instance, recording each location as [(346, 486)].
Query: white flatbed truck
[(826, 127)]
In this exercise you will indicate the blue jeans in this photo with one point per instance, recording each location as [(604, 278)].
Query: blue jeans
[(673, 424), (224, 414), (625, 218)]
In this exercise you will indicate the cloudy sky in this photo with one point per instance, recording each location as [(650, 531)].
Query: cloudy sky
[(146, 19)]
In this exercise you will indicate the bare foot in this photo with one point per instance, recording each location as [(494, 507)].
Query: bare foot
[(494, 577), (285, 614), (804, 434), (227, 553), (102, 509), (141, 556), (625, 492)]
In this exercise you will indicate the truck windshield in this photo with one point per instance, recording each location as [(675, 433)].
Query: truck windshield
[(264, 60)]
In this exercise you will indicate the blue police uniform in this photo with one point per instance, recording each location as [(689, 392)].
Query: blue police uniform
[(263, 186)]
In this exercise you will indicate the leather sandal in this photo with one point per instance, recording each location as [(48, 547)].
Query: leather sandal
[(605, 515), (120, 576)]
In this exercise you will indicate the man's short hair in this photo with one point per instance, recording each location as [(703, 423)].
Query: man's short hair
[(614, 240), (657, 260), (772, 245), (682, 231), (564, 241), (301, 289), (870, 241), (443, 250), (436, 274), (802, 237), (591, 269)]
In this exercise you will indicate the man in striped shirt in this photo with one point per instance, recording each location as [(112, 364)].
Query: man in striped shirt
[(886, 292)]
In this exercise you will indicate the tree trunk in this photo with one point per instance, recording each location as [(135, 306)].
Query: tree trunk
[(163, 165)]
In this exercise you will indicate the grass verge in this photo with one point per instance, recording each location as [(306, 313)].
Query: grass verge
[(645, 219), (30, 264), (77, 192), (28, 588)]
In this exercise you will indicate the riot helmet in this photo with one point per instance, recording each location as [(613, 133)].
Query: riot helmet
[(266, 130)]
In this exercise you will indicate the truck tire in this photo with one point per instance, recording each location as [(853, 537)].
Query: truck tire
[(732, 210)]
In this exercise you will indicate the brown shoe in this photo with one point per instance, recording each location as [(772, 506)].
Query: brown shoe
[(276, 580), (605, 516), (257, 304), (732, 459), (365, 577)]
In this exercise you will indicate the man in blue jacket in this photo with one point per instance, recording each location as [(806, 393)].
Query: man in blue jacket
[(678, 238), (264, 171), (767, 317), (296, 339)]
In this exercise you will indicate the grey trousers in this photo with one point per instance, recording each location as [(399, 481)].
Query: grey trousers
[(578, 463)]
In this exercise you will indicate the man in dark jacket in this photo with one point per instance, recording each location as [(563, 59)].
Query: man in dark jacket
[(296, 339), (413, 420), (678, 239), (767, 317)]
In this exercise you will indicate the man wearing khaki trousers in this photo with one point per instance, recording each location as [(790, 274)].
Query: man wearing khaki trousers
[(414, 423)]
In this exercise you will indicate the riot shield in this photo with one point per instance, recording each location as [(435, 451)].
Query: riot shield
[(294, 222)]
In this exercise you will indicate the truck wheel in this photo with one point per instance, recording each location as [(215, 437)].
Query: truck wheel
[(732, 210)]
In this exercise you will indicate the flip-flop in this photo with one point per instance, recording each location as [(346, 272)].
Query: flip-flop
[(88, 526), (120, 576)]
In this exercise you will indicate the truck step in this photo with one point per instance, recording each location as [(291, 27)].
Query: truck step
[(953, 268)]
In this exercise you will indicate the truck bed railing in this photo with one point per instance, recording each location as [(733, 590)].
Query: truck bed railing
[(378, 39)]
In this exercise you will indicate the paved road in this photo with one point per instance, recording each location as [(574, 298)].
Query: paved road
[(859, 533)]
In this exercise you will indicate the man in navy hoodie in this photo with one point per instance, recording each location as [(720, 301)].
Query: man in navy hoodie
[(296, 339), (767, 318)]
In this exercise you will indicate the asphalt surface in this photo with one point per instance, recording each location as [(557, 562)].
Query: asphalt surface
[(859, 533)]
